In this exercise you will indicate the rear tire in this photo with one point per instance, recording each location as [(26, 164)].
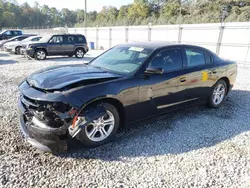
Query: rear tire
[(40, 54), (90, 139), (218, 94), (79, 53)]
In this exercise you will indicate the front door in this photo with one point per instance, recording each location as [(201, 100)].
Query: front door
[(56, 45), (164, 92)]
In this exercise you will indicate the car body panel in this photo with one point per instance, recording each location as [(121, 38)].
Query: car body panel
[(140, 95)]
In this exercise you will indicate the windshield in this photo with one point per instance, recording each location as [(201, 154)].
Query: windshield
[(122, 59), (1, 32), (45, 38)]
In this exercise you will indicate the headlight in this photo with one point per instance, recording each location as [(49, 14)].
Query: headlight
[(29, 48)]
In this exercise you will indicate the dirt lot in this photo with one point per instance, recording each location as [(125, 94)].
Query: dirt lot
[(197, 147)]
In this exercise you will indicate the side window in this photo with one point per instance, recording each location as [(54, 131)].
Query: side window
[(21, 38), (71, 39), (209, 58), (81, 39), (56, 39), (19, 32), (195, 57), (15, 33), (7, 33), (169, 60)]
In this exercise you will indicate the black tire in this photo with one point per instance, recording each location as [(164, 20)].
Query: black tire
[(18, 50), (84, 139), (38, 55), (211, 100), (79, 53)]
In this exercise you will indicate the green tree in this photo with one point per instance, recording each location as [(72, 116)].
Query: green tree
[(138, 11)]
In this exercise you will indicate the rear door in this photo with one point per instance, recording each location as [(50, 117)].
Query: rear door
[(201, 74), (70, 41), (56, 45)]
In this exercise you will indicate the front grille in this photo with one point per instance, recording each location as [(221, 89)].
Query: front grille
[(29, 102), (43, 111)]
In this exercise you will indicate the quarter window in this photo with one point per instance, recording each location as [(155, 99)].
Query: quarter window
[(195, 57), (168, 60), (81, 39), (209, 58)]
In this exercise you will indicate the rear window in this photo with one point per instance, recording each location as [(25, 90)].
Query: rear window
[(81, 39)]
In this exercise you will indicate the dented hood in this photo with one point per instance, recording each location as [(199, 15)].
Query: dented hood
[(58, 77)]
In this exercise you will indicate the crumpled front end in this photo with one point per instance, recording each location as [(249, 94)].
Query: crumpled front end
[(43, 123), (44, 127)]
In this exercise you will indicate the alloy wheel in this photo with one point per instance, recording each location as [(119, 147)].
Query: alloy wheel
[(101, 128), (41, 55), (79, 53), (218, 94)]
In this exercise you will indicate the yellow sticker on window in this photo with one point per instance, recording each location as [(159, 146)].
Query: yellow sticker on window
[(137, 49), (204, 76)]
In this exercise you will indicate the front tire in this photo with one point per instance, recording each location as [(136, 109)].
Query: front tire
[(40, 54), (101, 130), (18, 50), (79, 53), (218, 94)]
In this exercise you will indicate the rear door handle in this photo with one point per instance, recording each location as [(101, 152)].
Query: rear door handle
[(183, 79), (213, 71)]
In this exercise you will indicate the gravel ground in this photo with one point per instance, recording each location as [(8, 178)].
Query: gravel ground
[(197, 147)]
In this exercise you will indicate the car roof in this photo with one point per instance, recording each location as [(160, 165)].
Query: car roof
[(152, 45), (158, 45)]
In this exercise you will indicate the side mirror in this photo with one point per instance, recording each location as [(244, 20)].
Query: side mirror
[(154, 70)]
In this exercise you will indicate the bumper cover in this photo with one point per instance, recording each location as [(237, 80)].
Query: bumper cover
[(43, 139), (30, 52)]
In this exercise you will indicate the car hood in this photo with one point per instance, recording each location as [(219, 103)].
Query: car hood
[(12, 43), (37, 43), (60, 77), (28, 42)]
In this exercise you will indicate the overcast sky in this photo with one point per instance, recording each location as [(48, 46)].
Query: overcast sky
[(79, 4)]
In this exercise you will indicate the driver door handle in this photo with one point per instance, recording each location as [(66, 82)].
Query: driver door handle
[(183, 79)]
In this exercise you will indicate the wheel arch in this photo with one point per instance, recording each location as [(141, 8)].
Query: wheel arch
[(113, 101), (227, 82), (79, 47), (42, 48)]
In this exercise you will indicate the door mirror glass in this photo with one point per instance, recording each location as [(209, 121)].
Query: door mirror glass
[(154, 70)]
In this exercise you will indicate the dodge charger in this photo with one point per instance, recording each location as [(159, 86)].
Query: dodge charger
[(126, 84)]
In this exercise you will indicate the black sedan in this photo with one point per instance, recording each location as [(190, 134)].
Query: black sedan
[(126, 84)]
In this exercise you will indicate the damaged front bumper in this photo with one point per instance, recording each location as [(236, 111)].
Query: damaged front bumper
[(46, 139), (47, 126)]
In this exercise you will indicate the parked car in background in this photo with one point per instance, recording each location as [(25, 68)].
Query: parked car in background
[(18, 38), (17, 45), (127, 83), (10, 33), (64, 44)]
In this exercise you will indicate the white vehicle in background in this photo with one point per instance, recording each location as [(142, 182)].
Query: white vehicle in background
[(25, 43), (15, 46)]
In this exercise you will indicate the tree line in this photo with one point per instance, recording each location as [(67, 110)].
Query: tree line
[(141, 12)]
